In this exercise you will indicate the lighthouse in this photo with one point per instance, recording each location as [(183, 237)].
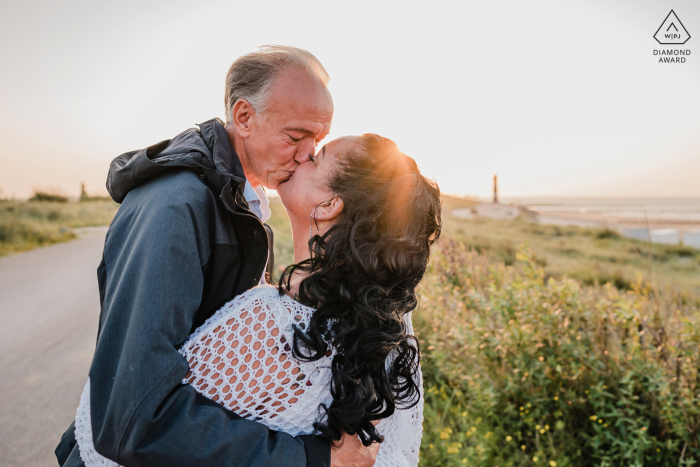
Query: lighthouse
[(495, 188)]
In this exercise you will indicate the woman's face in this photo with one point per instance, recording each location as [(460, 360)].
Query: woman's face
[(308, 187)]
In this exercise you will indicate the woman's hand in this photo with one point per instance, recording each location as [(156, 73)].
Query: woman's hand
[(352, 453)]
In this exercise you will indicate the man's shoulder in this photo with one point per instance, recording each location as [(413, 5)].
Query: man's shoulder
[(174, 206), (176, 198), (177, 187)]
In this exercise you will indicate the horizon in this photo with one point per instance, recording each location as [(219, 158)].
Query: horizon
[(501, 198)]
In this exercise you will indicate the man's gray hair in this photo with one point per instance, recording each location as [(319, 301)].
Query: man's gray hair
[(251, 76)]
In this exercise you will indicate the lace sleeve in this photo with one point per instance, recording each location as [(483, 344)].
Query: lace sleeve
[(403, 430), (242, 358)]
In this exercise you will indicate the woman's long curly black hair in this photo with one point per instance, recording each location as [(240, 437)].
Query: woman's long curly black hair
[(361, 279)]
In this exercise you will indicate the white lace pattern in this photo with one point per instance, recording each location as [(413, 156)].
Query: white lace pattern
[(241, 358)]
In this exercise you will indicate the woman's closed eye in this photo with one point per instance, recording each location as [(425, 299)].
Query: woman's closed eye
[(312, 158)]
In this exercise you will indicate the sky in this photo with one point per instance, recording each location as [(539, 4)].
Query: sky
[(559, 98)]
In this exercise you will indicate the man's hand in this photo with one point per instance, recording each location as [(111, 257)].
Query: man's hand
[(352, 453)]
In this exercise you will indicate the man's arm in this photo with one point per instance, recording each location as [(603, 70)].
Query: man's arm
[(142, 415)]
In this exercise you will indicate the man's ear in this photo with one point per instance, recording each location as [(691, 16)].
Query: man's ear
[(241, 115), (331, 210)]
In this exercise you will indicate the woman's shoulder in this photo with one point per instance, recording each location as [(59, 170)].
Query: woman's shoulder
[(261, 295), (264, 291)]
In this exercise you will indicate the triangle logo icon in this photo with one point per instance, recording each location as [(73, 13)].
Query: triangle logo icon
[(672, 31)]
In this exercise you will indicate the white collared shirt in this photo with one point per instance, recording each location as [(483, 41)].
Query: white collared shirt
[(257, 201), (259, 204)]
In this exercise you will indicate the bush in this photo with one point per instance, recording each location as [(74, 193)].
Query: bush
[(50, 197), (606, 233), (525, 371)]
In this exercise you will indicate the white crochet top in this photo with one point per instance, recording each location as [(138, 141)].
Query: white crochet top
[(241, 358)]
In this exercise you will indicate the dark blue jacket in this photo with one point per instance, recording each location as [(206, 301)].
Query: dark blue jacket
[(182, 244)]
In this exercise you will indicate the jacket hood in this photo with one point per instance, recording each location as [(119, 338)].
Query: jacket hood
[(205, 151)]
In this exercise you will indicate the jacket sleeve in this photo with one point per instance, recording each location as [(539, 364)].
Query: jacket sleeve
[(142, 415)]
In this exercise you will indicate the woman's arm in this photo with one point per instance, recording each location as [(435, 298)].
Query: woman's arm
[(404, 429), (242, 359), (402, 436)]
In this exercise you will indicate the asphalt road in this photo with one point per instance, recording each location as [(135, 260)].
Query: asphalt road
[(49, 307)]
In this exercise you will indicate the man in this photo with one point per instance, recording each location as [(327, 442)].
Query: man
[(185, 241)]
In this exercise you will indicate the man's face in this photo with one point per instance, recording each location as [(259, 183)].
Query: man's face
[(298, 116)]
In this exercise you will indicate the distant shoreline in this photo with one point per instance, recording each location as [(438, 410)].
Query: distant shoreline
[(601, 220), (682, 213)]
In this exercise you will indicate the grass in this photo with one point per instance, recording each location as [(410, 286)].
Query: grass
[(283, 246), (25, 225), (525, 369), (591, 256), (559, 346)]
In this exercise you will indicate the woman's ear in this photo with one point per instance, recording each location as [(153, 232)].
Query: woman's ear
[(329, 211)]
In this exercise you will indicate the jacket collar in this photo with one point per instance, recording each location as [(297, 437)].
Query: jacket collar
[(206, 152), (224, 156)]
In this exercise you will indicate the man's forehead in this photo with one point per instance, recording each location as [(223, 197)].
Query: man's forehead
[(299, 94), (312, 126)]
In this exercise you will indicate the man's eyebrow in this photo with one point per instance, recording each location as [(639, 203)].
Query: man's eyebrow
[(300, 130)]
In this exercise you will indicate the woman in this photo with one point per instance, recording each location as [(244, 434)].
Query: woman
[(330, 351)]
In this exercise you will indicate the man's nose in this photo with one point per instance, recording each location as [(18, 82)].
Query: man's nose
[(305, 152)]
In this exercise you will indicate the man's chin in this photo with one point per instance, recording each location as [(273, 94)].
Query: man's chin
[(281, 186), (282, 182)]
